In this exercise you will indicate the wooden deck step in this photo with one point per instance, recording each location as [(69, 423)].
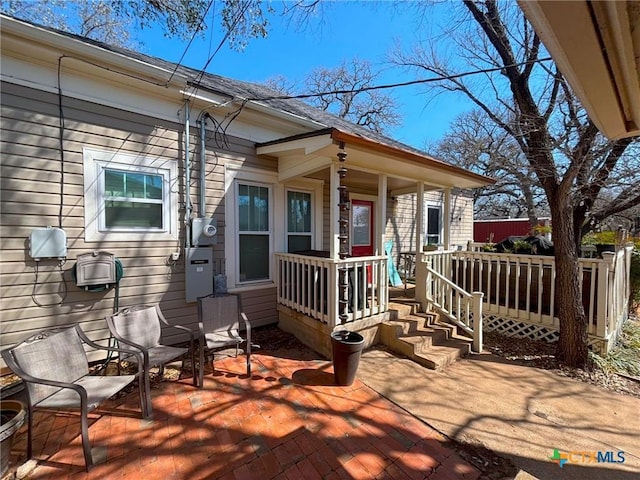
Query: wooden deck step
[(402, 308), (424, 339)]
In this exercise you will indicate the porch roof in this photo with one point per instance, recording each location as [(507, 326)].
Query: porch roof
[(310, 154)]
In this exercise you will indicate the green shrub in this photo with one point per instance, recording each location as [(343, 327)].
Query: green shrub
[(600, 238), (489, 247), (542, 229), (521, 246)]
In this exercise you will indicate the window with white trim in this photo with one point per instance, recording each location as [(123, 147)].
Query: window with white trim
[(129, 197), (433, 225), (253, 201), (299, 221)]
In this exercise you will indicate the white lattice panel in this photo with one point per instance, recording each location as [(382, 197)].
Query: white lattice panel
[(512, 328)]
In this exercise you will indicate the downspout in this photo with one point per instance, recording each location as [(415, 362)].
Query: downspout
[(203, 163), (187, 176)]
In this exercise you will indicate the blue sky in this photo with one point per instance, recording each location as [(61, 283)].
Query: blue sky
[(346, 30)]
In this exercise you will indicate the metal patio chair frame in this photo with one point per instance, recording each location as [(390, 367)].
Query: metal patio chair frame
[(220, 316), (55, 369), (140, 327)]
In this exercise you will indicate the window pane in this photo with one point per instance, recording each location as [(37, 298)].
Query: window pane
[(254, 257), (298, 243), (361, 227), (433, 226), (433, 239), (132, 185), (433, 221), (253, 208), (133, 214), (299, 212)]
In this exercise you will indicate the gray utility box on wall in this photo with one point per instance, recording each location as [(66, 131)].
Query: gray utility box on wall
[(198, 273), (203, 231), (47, 242)]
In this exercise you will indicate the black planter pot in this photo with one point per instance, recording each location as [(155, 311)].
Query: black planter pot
[(13, 417), (346, 347)]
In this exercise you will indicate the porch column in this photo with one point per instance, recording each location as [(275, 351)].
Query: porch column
[(419, 219), (421, 271), (447, 219), (381, 217)]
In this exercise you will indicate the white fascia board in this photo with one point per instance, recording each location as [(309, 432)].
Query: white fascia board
[(71, 46), (567, 31), (306, 146), (618, 23), (81, 84)]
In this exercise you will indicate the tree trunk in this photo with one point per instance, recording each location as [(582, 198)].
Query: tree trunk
[(572, 345)]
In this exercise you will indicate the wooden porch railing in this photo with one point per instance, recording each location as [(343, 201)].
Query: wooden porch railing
[(521, 288), (309, 285), (449, 299)]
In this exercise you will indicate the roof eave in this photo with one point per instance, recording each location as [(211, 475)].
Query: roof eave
[(75, 46), (596, 47), (307, 142)]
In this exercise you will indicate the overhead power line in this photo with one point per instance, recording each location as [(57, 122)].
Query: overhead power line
[(193, 36), (399, 84)]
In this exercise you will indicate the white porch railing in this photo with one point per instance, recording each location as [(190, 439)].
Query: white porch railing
[(454, 302), (521, 288), (309, 285)]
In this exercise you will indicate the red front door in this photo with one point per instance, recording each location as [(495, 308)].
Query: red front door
[(361, 228)]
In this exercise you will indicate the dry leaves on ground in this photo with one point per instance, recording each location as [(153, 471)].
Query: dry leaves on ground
[(542, 355)]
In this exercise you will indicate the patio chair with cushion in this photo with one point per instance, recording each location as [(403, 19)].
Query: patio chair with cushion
[(54, 367), (141, 327), (220, 316)]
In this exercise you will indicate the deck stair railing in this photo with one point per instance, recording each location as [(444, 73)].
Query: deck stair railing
[(309, 285), (460, 307)]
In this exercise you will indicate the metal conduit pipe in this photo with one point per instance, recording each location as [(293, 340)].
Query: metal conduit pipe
[(203, 164), (187, 176)]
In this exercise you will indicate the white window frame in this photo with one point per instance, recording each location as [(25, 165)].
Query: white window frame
[(434, 206), (95, 163), (314, 187), (268, 232), (311, 233), (235, 175)]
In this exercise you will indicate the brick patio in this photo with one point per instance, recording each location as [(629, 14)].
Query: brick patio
[(288, 421)]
